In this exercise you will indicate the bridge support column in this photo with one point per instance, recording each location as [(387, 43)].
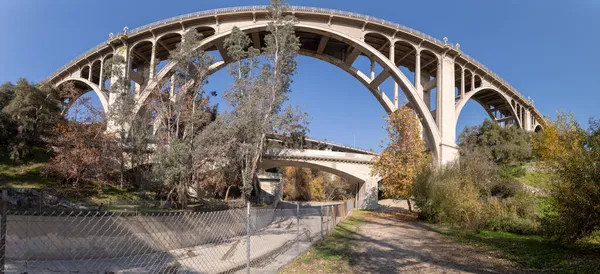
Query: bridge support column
[(372, 75), (445, 111), (367, 194), (393, 59), (152, 68), (426, 94), (527, 121), (417, 80), (462, 83), (115, 95), (101, 80)]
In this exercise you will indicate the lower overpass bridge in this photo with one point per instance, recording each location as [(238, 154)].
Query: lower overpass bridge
[(351, 164)]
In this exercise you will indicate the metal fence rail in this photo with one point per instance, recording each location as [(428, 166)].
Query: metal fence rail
[(228, 241)]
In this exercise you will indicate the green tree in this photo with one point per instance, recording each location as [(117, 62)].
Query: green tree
[(593, 140), (183, 111), (33, 111), (257, 96), (404, 157), (121, 116), (504, 145), (7, 127)]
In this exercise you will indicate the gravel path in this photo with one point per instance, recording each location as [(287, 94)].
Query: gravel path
[(390, 241)]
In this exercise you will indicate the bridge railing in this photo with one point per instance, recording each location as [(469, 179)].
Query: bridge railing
[(225, 241), (341, 145)]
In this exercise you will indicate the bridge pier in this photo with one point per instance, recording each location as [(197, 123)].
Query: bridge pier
[(367, 195), (117, 80), (445, 111)]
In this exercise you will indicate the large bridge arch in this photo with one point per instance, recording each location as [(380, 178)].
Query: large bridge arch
[(92, 86), (354, 35), (389, 70)]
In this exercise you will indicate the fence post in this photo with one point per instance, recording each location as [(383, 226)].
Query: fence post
[(331, 219), (41, 199), (335, 212), (328, 218), (248, 238), (3, 231), (322, 237), (297, 222)]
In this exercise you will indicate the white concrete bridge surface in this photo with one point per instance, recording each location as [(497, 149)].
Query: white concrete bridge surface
[(444, 79)]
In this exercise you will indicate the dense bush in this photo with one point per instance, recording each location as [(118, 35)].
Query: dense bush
[(573, 157), (505, 187), (503, 145), (513, 224), (472, 195), (514, 214), (443, 196), (575, 189)]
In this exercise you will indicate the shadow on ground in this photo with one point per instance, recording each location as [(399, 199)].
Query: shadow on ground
[(392, 240)]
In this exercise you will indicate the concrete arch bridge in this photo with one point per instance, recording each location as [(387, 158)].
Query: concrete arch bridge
[(348, 163), (444, 77)]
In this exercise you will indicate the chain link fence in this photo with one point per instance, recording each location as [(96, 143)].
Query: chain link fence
[(228, 241)]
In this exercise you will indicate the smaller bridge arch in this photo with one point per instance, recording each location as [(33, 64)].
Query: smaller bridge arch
[(492, 100), (103, 97), (378, 41)]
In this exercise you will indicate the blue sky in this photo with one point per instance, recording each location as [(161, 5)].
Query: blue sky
[(547, 49)]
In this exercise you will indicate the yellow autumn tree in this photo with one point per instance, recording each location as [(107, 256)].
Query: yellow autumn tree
[(571, 155), (296, 183), (316, 187), (560, 139), (404, 157)]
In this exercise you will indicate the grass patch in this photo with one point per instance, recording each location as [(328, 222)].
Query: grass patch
[(29, 175), (332, 255), (21, 176), (115, 195), (535, 252), (528, 174), (542, 205), (538, 179)]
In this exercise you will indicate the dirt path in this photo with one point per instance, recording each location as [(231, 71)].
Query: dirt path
[(394, 242)]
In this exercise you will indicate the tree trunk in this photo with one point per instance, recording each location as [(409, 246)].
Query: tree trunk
[(409, 204), (256, 185), (227, 193)]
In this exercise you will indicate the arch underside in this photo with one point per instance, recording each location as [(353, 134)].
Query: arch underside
[(83, 86), (340, 50), (268, 163), (495, 103)]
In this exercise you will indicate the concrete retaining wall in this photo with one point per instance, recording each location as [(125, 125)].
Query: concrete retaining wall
[(90, 237)]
